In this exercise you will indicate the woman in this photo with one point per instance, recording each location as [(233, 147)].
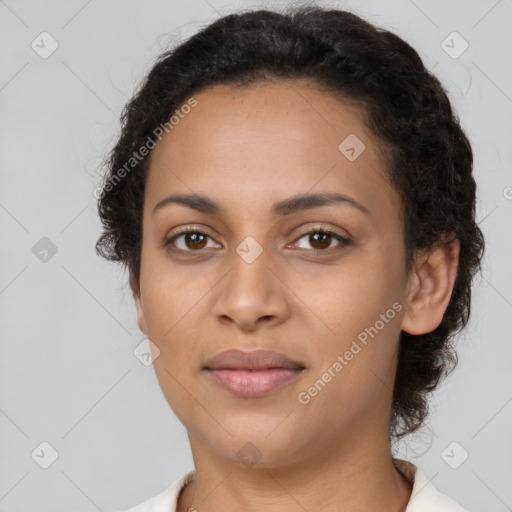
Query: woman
[(293, 197)]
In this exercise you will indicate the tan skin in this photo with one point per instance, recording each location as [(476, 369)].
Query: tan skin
[(248, 149)]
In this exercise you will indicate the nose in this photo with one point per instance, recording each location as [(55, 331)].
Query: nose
[(251, 295)]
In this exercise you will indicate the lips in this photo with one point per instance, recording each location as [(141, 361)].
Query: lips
[(252, 374), (254, 360)]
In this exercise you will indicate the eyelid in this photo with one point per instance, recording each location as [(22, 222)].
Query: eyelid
[(190, 228)]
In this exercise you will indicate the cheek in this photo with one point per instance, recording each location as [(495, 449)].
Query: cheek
[(170, 294), (360, 304), (351, 297)]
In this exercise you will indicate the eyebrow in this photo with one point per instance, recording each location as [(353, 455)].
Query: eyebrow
[(286, 207)]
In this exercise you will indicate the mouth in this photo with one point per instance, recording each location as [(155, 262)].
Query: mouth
[(252, 374)]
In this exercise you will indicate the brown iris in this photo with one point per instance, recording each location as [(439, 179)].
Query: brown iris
[(197, 240), (320, 238)]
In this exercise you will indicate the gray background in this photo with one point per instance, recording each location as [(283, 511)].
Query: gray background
[(69, 376)]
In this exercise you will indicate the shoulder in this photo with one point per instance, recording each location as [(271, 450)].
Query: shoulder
[(165, 501), (425, 497)]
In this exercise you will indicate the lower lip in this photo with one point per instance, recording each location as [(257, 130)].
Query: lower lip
[(253, 383)]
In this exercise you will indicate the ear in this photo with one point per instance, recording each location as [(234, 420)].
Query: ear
[(430, 287), (141, 321)]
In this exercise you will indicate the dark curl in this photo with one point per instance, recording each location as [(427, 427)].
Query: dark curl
[(429, 157)]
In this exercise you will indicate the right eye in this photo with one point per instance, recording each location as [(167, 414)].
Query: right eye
[(188, 240)]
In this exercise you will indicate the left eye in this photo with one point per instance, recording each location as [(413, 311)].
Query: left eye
[(321, 239)]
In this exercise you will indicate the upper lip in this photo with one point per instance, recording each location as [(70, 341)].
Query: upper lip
[(253, 360)]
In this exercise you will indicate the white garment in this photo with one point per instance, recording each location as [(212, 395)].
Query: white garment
[(424, 497)]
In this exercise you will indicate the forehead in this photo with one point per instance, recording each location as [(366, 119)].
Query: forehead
[(270, 140), (285, 112)]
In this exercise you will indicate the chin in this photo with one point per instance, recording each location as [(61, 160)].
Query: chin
[(253, 446)]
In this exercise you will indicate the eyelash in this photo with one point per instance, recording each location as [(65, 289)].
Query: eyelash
[(327, 231)]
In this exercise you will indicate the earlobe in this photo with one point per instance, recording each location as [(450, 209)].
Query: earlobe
[(430, 287)]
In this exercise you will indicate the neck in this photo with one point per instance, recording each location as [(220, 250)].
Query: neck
[(340, 479)]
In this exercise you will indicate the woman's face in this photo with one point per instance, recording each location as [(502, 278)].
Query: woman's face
[(263, 277)]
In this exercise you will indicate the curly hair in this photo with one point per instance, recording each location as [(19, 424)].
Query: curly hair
[(429, 158)]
